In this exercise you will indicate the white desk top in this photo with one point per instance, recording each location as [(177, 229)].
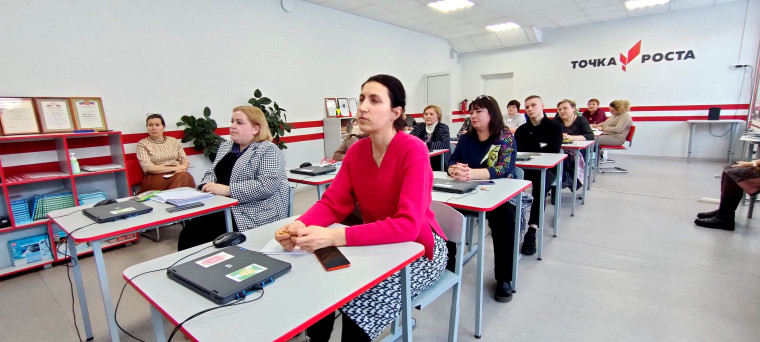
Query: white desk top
[(542, 160), (157, 217), (750, 138), (290, 304), (578, 144), (312, 180), (437, 152), (485, 198), (714, 121)]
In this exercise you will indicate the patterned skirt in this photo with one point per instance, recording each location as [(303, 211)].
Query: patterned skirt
[(381, 305)]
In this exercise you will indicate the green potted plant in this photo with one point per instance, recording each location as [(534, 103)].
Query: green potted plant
[(275, 116), (201, 132)]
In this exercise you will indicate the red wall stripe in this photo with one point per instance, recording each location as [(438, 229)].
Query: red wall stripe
[(303, 137), (306, 124)]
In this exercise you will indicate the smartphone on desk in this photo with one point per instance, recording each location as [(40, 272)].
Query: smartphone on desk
[(331, 258)]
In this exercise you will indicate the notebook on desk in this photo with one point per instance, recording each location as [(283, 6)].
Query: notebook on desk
[(228, 274), (314, 170), (116, 211), (455, 186)]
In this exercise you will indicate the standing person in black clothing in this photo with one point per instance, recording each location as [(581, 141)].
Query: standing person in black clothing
[(539, 134)]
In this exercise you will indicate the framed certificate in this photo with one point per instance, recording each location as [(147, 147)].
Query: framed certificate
[(331, 106), (17, 116), (54, 114), (88, 113), (343, 107), (353, 106)]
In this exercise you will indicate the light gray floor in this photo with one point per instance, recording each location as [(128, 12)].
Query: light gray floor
[(630, 266)]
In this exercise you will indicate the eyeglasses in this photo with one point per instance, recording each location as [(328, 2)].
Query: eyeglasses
[(482, 97)]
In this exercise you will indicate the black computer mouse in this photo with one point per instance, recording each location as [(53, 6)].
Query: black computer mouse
[(306, 164), (229, 239), (104, 202)]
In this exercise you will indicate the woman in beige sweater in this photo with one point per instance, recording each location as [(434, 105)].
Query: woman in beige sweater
[(616, 128), (162, 159)]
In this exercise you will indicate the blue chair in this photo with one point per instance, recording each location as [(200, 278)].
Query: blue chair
[(452, 223)]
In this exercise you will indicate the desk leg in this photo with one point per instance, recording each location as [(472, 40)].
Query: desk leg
[(731, 141), (575, 181), (158, 324), (406, 303), (80, 289), (558, 190), (479, 276), (320, 190), (691, 133), (516, 247), (586, 176), (104, 289), (596, 160), (291, 195), (443, 167), (541, 209), (228, 219)]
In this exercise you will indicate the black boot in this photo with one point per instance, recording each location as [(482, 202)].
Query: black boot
[(708, 214), (529, 242), (503, 292), (715, 222)]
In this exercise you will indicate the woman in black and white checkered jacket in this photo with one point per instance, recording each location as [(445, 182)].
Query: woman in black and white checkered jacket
[(250, 169)]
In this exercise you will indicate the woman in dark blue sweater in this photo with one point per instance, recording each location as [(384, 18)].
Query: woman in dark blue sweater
[(435, 134), (487, 151)]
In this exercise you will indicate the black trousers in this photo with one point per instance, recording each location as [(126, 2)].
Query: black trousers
[(535, 177), (202, 229), (730, 197), (502, 223), (320, 331)]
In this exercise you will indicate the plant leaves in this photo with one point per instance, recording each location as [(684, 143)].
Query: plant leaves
[(265, 101), (206, 111), (257, 93)]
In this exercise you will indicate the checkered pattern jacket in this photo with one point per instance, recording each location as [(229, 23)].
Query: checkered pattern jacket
[(258, 182)]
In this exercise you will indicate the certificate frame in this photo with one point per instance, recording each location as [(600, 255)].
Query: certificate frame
[(343, 106), (353, 106), (331, 106), (18, 115), (54, 114), (88, 113)]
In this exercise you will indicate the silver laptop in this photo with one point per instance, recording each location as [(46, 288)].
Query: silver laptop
[(314, 170), (455, 186), (228, 274), (116, 211)]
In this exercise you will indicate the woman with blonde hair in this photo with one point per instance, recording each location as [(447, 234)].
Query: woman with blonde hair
[(250, 169), (615, 129), (435, 134)]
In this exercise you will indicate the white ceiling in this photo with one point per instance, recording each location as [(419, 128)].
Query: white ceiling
[(465, 29)]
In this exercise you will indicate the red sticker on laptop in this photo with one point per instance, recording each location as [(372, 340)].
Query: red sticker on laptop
[(214, 259)]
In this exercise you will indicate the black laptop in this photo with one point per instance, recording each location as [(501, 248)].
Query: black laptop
[(314, 170), (455, 186), (116, 211), (228, 274)]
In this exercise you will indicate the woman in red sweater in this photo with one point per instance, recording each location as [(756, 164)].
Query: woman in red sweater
[(389, 177)]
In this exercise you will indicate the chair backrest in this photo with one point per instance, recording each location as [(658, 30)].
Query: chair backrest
[(134, 173), (519, 173), (629, 138), (450, 220)]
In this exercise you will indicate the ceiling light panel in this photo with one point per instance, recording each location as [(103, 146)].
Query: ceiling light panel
[(502, 27), (635, 4), (450, 5)]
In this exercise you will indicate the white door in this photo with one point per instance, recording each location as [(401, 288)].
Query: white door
[(439, 94), (501, 88)]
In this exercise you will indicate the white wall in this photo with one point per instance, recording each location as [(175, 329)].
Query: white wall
[(714, 33), (177, 56)]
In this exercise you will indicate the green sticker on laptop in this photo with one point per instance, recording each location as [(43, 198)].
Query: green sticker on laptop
[(246, 272)]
